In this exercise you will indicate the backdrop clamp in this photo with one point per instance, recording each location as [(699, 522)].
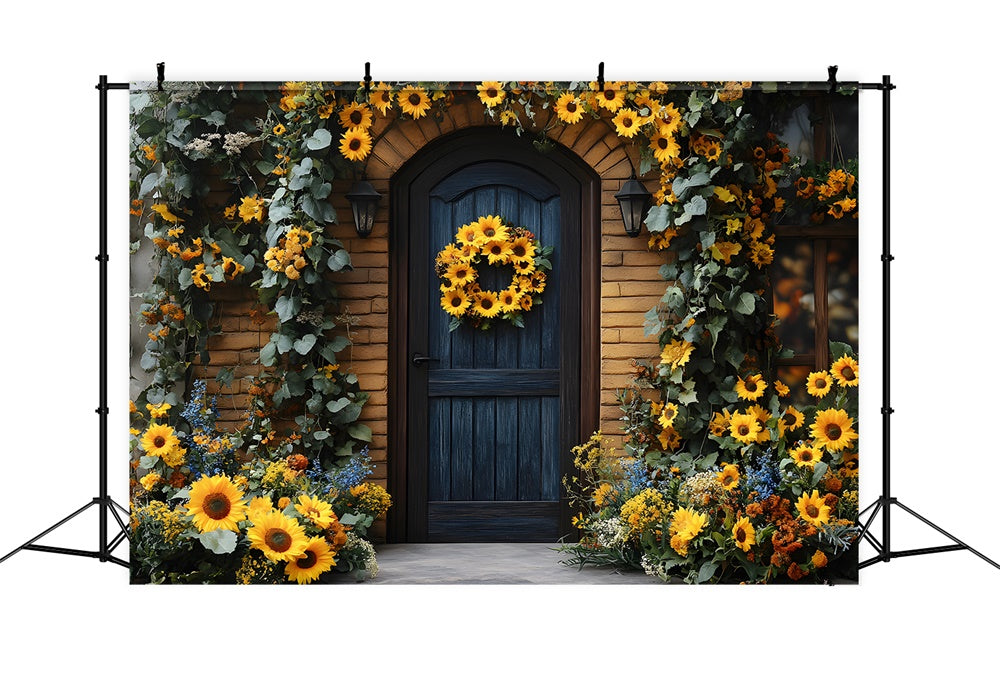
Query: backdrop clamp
[(160, 67), (600, 76)]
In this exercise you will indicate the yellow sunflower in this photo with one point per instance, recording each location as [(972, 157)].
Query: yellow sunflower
[(750, 388), (719, 426), (159, 440), (355, 144), (670, 120), (761, 254), (251, 208), (744, 534), (524, 268), (627, 122), (669, 439), (414, 101), (487, 305), (320, 513), (667, 415), (381, 98), (491, 228), (509, 300), (279, 537), (317, 558), (729, 477), (818, 384), (460, 274), (812, 508), (845, 371), (522, 250), (569, 109), (685, 526), (833, 430), (664, 146), (455, 302), (216, 502), (676, 353), (791, 420), (612, 97), (806, 456), (356, 115), (498, 252), (258, 506), (449, 254), (724, 251), (490, 93), (762, 416), (781, 389), (744, 427)]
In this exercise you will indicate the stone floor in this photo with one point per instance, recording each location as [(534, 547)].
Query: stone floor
[(490, 564)]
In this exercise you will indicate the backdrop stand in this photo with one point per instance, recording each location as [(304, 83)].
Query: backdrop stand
[(103, 501), (886, 501)]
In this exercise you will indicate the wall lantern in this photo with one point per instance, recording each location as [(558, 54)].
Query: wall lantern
[(364, 202), (634, 201)]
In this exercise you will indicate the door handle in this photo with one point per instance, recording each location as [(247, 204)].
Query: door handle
[(419, 359)]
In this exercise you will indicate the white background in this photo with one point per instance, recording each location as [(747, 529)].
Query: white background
[(920, 618)]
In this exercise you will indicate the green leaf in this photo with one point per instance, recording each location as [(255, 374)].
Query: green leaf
[(321, 435), (338, 405), (225, 376), (347, 415), (267, 354), (838, 350), (360, 432), (339, 260), (320, 211), (706, 572), (350, 519), (320, 139), (148, 461), (305, 344), (184, 278), (687, 397), (696, 206), (714, 326), (746, 304), (338, 344), (658, 218), (219, 541), (216, 118), (287, 307), (282, 342)]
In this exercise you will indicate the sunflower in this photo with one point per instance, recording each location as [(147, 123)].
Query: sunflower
[(216, 502), (806, 456), (669, 439), (781, 389), (159, 440), (490, 93), (491, 228), (279, 129), (381, 98), (317, 558), (812, 508), (712, 150), (414, 101), (750, 388), (355, 144), (664, 145), (524, 269), (818, 384), (509, 300), (744, 427), (724, 251), (845, 371), (627, 122), (320, 513), (676, 353), (449, 254), (612, 97), (455, 302), (469, 235), (522, 250), (667, 415), (791, 420), (569, 109), (833, 430), (719, 426), (761, 254), (251, 208), (279, 537), (258, 506), (729, 477), (487, 305), (497, 252), (744, 534), (670, 119), (460, 274), (356, 115), (762, 416)]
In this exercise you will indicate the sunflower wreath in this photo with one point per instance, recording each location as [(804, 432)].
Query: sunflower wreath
[(489, 241)]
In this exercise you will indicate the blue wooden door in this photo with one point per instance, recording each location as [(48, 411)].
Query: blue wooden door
[(493, 413)]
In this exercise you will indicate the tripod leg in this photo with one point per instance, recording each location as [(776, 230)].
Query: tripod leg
[(947, 534), (49, 530)]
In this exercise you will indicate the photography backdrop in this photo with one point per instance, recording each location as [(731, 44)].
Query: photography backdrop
[(459, 342)]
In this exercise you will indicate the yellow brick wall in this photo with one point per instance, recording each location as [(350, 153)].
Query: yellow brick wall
[(630, 282)]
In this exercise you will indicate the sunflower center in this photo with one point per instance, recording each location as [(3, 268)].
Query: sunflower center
[(308, 561), (491, 93), (216, 506), (455, 302), (663, 143), (741, 535), (486, 304), (609, 94), (751, 386), (496, 249), (571, 107), (833, 432), (821, 383), (789, 419), (356, 117), (626, 122), (414, 99), (727, 480), (743, 429), (159, 442), (806, 456), (848, 373), (461, 274), (278, 540), (519, 251), (355, 144), (811, 511)]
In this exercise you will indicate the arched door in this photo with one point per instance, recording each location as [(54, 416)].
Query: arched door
[(490, 418)]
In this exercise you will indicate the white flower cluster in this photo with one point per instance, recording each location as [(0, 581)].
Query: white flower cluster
[(367, 550), (234, 143), (653, 567), (201, 145), (611, 533)]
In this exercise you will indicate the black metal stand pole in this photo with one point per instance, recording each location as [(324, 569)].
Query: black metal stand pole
[(103, 501), (886, 501)]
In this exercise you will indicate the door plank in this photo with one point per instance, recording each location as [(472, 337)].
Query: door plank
[(461, 438), (439, 449), (551, 486), (492, 382), (529, 448), (484, 448), (506, 449)]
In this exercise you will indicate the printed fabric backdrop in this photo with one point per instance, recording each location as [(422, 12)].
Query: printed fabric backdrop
[(490, 357)]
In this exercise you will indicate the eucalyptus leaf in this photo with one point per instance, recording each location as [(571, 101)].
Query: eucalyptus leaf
[(360, 432), (305, 344), (320, 139), (148, 461), (219, 541), (339, 260), (746, 304)]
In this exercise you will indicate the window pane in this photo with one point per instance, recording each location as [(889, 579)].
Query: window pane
[(842, 288), (794, 298), (794, 376)]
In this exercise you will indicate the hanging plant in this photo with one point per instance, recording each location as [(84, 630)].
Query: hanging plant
[(488, 240)]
